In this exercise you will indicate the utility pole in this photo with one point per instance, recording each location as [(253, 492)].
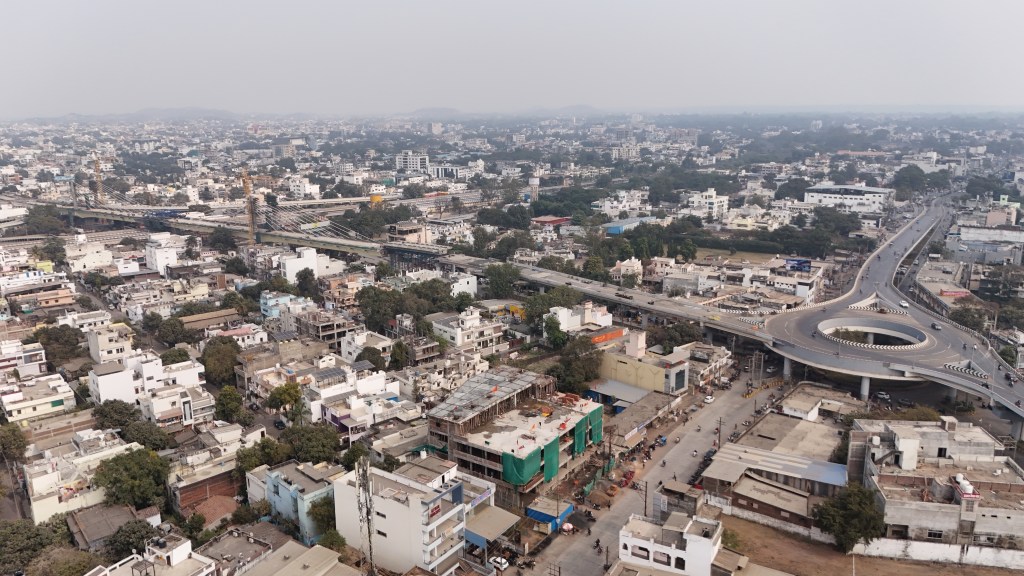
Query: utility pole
[(643, 490), (721, 422)]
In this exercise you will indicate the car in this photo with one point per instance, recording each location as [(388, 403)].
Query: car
[(280, 425), (771, 369), (904, 304), (883, 396), (904, 402), (499, 563), (936, 326), (709, 399)]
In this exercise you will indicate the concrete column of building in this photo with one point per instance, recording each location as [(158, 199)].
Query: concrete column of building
[(787, 369), (865, 387), (871, 337), (1016, 427)]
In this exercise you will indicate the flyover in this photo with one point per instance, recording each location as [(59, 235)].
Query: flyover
[(952, 356)]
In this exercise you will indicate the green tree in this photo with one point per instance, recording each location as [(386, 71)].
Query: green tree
[(284, 396), (271, 200), (1009, 354), (792, 189), (148, 434), (332, 540), (44, 219), (851, 517), (306, 285), (61, 343), (373, 356), (501, 279), (629, 280), (235, 265), (12, 443), (594, 268), (172, 332), (191, 247), (134, 478), (174, 355), (463, 300), (970, 316), (315, 443), (557, 339), (580, 363), (229, 405), (115, 414), (321, 511), (151, 322), (220, 355), (193, 525), (268, 451), (354, 453), (400, 356), (911, 177), (85, 302), (63, 560), (21, 541), (131, 535), (800, 220), (241, 304), (222, 239)]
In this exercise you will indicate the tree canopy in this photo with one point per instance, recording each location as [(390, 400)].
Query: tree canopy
[(220, 355), (115, 414), (373, 356), (12, 443), (314, 443), (131, 535), (174, 355), (135, 478), (501, 279), (580, 363), (851, 517), (222, 239)]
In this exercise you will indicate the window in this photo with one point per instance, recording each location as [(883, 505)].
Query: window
[(942, 453), (381, 514), (277, 490), (741, 501), (969, 506), (680, 563), (784, 514), (662, 558), (935, 534), (381, 534), (641, 552)]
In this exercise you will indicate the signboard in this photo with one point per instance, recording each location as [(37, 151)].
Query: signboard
[(484, 496), (955, 293), (315, 225), (435, 510), (798, 265)]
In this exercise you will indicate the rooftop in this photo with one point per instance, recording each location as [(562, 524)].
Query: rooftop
[(733, 460), (805, 397), (308, 476), (786, 435), (483, 391), (426, 469), (533, 424)]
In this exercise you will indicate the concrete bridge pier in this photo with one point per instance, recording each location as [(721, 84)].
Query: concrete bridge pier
[(1016, 427), (871, 337), (865, 387), (787, 369)]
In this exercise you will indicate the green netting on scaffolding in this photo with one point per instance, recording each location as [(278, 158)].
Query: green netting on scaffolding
[(597, 425), (579, 443), (519, 471), (589, 487), (551, 460)]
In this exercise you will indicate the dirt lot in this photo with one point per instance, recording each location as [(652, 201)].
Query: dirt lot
[(752, 257), (790, 553)]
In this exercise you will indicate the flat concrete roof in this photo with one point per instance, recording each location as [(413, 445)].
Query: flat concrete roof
[(532, 425), (786, 435), (483, 391), (772, 493)]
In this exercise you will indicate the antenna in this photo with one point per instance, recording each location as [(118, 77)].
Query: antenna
[(250, 207), (365, 500)]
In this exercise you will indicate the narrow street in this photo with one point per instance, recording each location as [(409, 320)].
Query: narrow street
[(575, 555)]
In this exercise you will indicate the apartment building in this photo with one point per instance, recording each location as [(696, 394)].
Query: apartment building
[(631, 362), (175, 407), (28, 359), (292, 487), (167, 554), (510, 427), (328, 326), (681, 544), (410, 162), (848, 198), (37, 398), (469, 331), (85, 321), (162, 250), (205, 466), (60, 479), (431, 381), (256, 360), (583, 316), (111, 343), (709, 204), (246, 335)]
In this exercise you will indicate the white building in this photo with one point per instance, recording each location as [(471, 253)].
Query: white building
[(848, 198), (306, 257), (469, 331), (681, 544), (582, 316), (419, 514), (110, 343), (83, 256), (166, 554), (176, 407), (709, 204), (85, 321), (353, 343), (300, 187), (61, 480), (35, 399), (162, 251), (633, 267), (28, 359), (246, 335), (410, 162)]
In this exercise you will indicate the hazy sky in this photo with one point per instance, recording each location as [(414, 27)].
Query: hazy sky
[(369, 57)]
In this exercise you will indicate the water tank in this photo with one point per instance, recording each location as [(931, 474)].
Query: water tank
[(876, 441), (959, 478), (969, 488), (963, 484)]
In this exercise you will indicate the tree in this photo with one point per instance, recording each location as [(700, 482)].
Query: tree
[(305, 283), (134, 478), (354, 453), (229, 405), (12, 443), (191, 245), (851, 517), (400, 356), (271, 200), (21, 541), (321, 511), (463, 300), (151, 322), (174, 355), (1009, 354), (236, 265), (148, 434), (629, 280), (241, 304), (389, 463), (52, 249), (333, 540), (172, 332), (222, 239), (193, 525), (970, 316), (800, 220), (220, 355), (60, 560), (115, 414), (501, 279), (61, 343), (911, 178), (268, 451), (284, 396), (44, 219), (131, 535), (557, 339), (580, 363), (373, 356), (85, 302), (315, 443)]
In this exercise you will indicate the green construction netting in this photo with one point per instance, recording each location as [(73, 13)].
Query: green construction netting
[(589, 487), (518, 471), (597, 425), (579, 443), (551, 460)]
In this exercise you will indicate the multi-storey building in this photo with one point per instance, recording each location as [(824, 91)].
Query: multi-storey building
[(28, 359), (37, 398), (410, 162), (292, 487), (469, 331), (85, 321), (680, 544), (848, 198)]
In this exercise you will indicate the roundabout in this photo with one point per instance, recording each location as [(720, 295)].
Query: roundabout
[(863, 332)]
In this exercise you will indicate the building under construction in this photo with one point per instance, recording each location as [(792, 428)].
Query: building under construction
[(511, 427)]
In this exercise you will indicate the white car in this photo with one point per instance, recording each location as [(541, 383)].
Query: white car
[(883, 396), (709, 399), (499, 563), (904, 304)]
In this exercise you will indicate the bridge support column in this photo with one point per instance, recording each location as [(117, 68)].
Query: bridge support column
[(871, 337), (1016, 428), (787, 369), (865, 387)]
